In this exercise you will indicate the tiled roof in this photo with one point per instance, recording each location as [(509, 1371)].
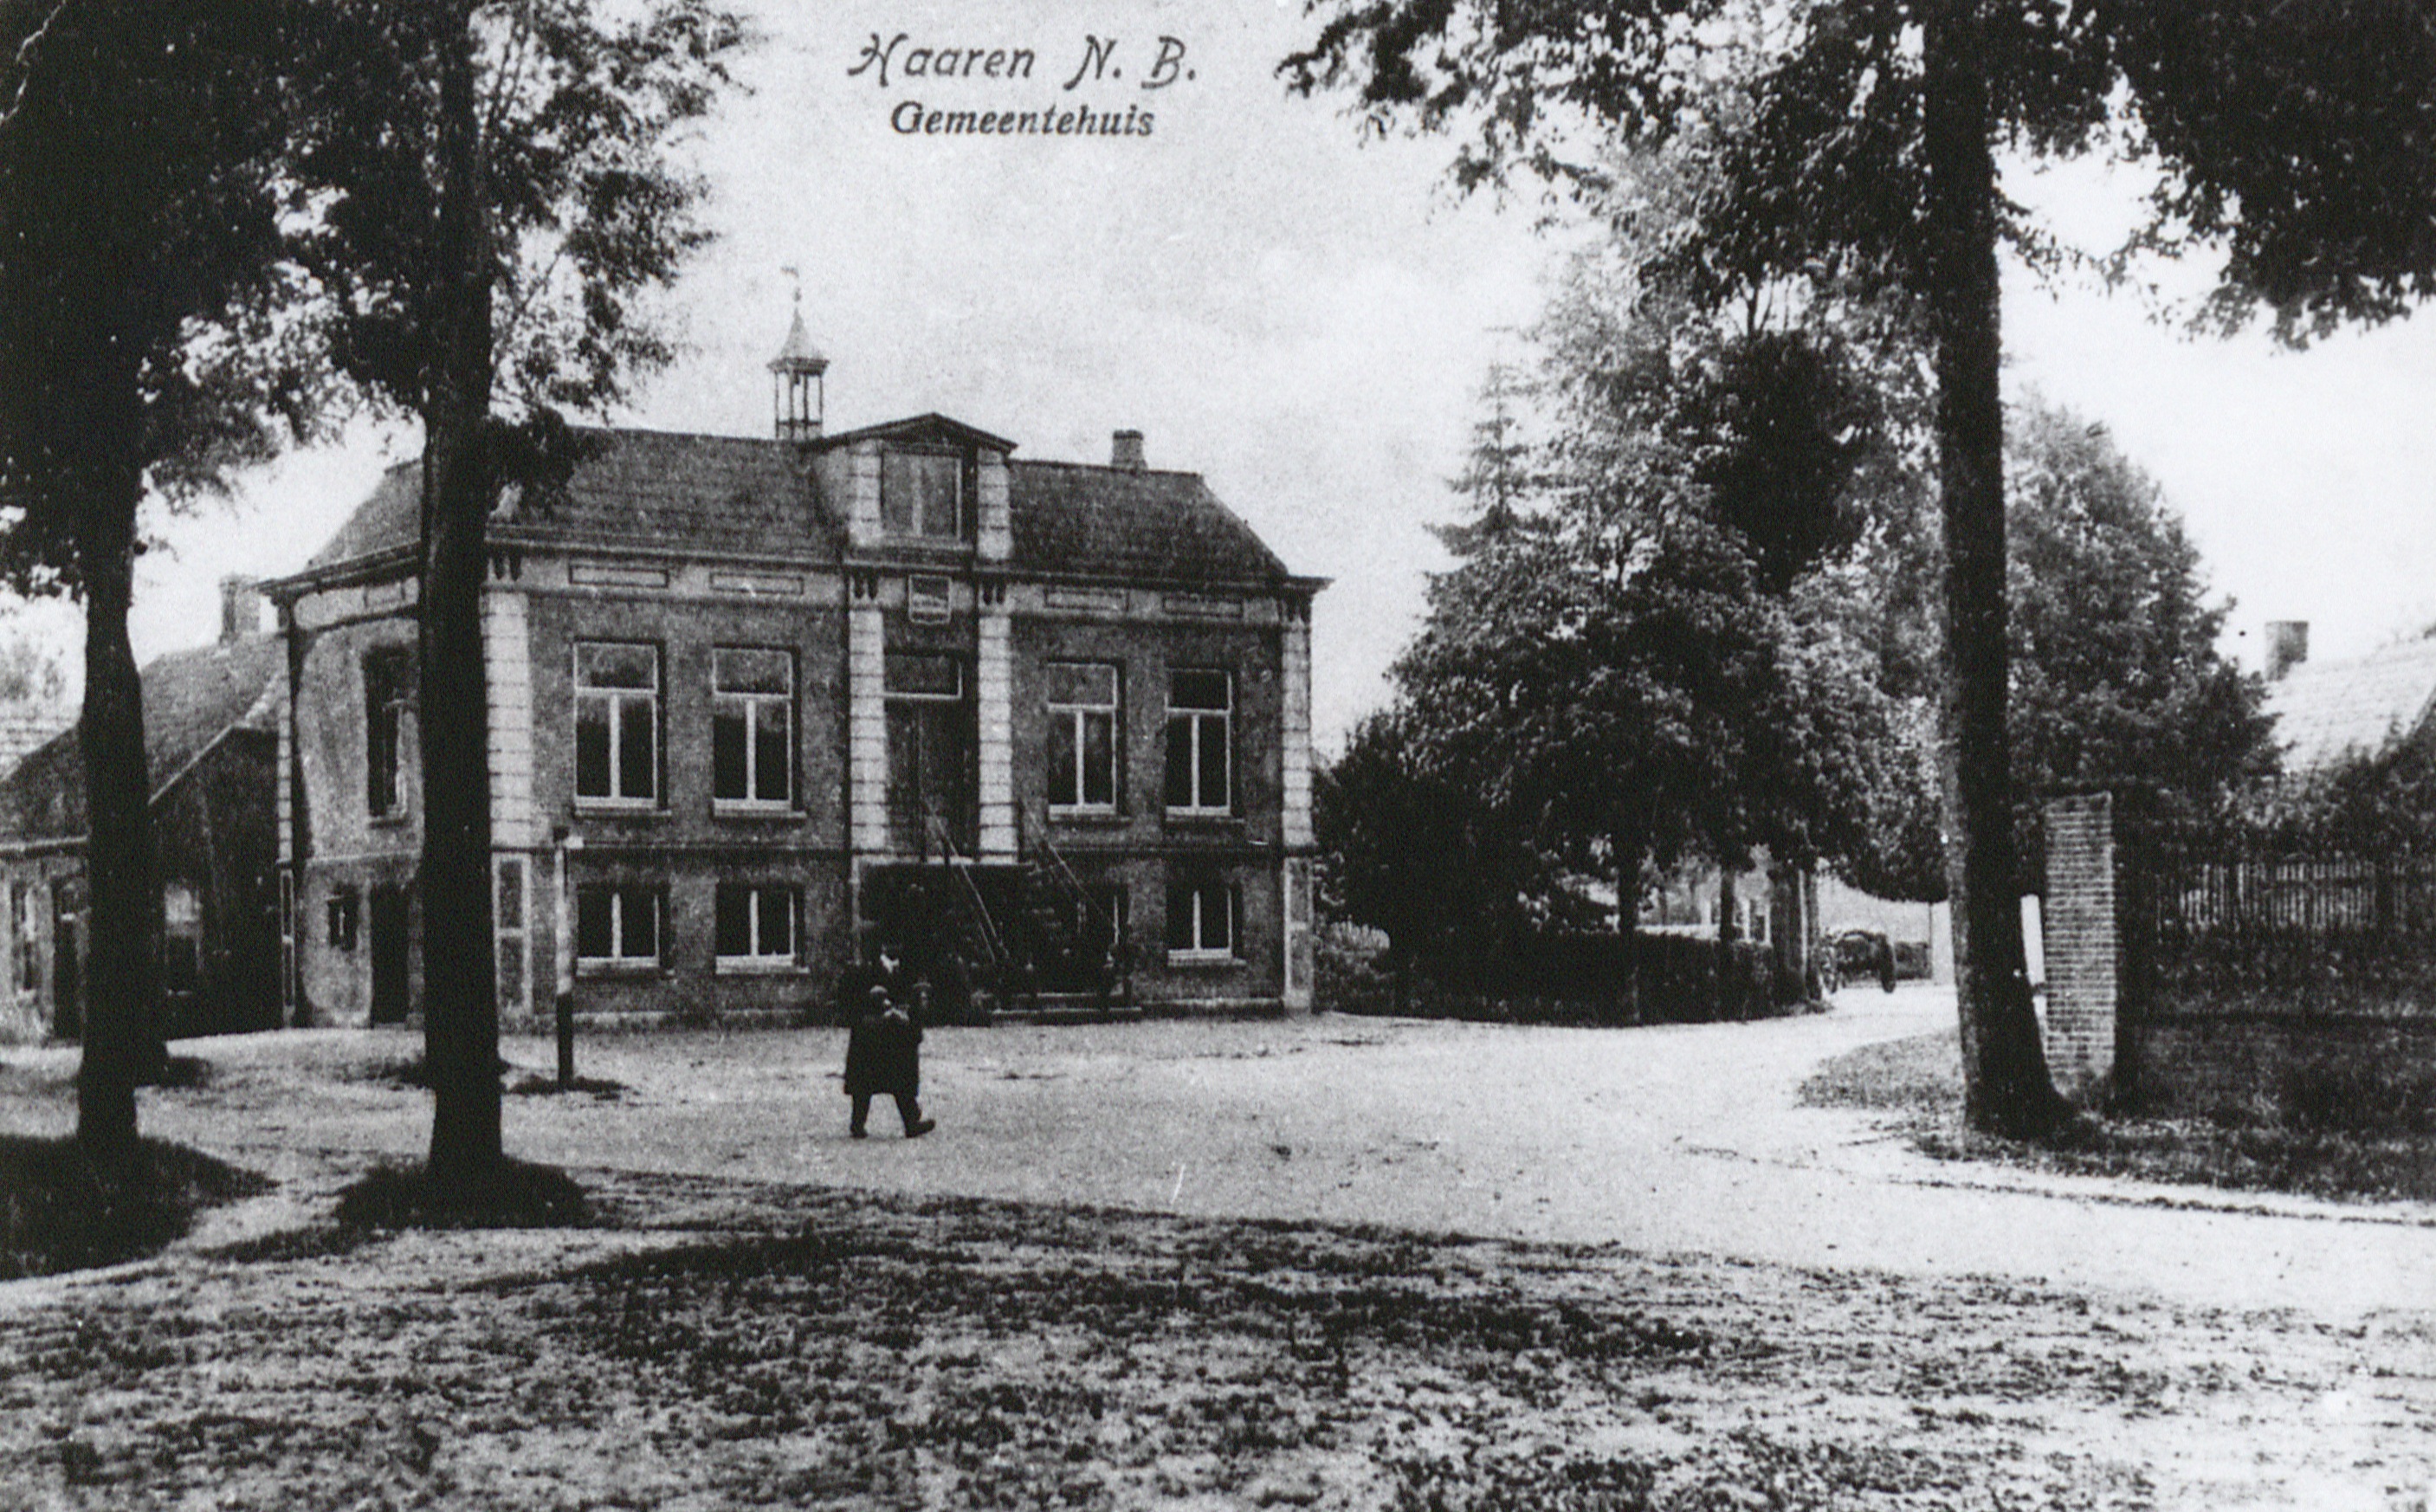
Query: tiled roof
[(1127, 522), (391, 515), (2325, 709), (638, 488), (729, 493), (190, 699), (27, 725)]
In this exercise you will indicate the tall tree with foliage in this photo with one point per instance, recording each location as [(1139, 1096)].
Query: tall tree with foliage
[(2117, 680), (502, 201), (1862, 140), (143, 351), (1622, 668)]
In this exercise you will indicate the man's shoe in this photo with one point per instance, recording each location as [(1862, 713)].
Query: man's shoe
[(921, 1127), (857, 1134)]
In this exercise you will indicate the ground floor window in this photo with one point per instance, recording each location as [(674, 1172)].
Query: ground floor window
[(30, 960), (756, 927), (343, 911), (1202, 919), (618, 927), (181, 938)]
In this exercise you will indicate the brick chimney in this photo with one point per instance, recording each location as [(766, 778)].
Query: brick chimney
[(1126, 451), (240, 607), (2287, 645)]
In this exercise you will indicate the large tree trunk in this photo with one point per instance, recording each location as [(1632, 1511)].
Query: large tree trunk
[(1628, 920), (461, 1013), (2005, 1086), (1730, 997), (122, 1015)]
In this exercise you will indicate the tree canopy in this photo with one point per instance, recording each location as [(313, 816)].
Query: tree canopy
[(2117, 680), (147, 346), (496, 199)]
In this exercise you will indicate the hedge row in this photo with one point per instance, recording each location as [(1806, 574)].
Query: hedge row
[(1583, 979)]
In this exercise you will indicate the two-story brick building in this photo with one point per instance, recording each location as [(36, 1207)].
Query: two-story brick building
[(754, 702)]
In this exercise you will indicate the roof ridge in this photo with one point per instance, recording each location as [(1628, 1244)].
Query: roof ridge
[(1104, 467)]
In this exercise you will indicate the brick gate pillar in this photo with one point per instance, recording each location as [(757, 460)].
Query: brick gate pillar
[(2088, 954)]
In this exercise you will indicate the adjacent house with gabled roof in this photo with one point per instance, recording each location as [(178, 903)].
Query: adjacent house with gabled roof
[(756, 704), (2327, 712), (211, 747)]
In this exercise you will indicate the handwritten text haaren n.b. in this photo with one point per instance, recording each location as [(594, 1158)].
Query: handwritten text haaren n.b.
[(892, 60)]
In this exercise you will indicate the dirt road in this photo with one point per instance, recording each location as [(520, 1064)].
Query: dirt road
[(1794, 1310), (1668, 1140)]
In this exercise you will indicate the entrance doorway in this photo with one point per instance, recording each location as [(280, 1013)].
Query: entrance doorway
[(930, 755), (67, 961), (389, 955)]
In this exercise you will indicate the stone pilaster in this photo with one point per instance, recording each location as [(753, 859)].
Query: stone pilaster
[(866, 718), (862, 494), (994, 695), (1294, 738), (515, 823), (994, 536), (507, 670)]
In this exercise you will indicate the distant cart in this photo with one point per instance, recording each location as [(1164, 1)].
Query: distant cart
[(1859, 955)]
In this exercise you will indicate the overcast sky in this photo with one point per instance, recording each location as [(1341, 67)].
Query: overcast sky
[(1305, 321)]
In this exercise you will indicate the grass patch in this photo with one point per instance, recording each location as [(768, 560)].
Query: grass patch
[(1923, 1075), (2333, 1164), (1919, 1080), (516, 1195), (63, 1208)]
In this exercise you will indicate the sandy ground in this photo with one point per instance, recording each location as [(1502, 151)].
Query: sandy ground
[(1865, 1327), (1668, 1140)]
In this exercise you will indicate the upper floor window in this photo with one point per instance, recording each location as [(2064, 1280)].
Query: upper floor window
[(752, 725), (922, 493), (617, 722), (1082, 737), (1200, 708), (387, 677)]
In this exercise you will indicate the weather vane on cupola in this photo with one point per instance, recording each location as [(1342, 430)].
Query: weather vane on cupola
[(796, 398)]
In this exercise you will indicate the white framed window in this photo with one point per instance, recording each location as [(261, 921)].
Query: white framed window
[(617, 723), (181, 938), (1200, 715), (28, 942), (1082, 737), (756, 927), (1202, 921), (752, 726), (345, 910), (508, 933), (388, 678), (922, 493), (618, 927)]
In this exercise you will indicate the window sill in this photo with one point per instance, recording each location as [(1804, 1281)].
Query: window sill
[(393, 819), (1203, 960), (779, 811), (1105, 817), (630, 970), (621, 807), (745, 965)]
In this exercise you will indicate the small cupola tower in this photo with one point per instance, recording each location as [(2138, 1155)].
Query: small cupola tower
[(797, 400)]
